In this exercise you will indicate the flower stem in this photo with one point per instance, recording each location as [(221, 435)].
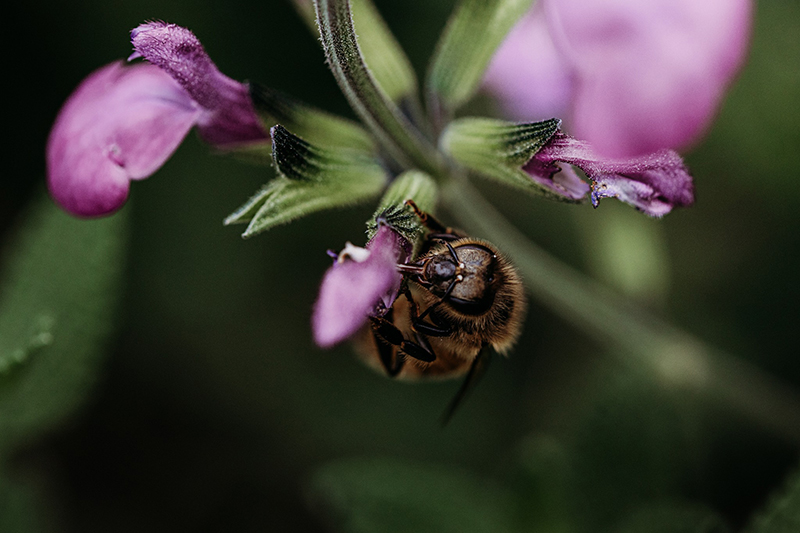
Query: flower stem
[(679, 359), (393, 129)]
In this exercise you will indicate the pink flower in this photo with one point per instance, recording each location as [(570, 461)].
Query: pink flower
[(361, 283), (633, 76), (122, 123), (654, 183), (228, 116)]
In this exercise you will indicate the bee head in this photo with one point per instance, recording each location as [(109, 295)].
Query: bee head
[(463, 276)]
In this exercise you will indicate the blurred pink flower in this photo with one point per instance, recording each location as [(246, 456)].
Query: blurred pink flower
[(122, 123), (629, 76), (360, 284)]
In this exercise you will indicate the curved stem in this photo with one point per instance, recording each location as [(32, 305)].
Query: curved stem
[(677, 357), (396, 133)]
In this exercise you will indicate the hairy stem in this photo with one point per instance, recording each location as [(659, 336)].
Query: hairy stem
[(677, 357), (395, 132)]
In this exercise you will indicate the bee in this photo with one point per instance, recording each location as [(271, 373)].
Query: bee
[(459, 297)]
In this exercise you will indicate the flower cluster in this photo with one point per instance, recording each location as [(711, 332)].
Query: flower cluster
[(634, 79)]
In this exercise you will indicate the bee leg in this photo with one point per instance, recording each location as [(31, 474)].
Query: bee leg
[(476, 371), (418, 323), (389, 333), (428, 220), (418, 351), (391, 358), (429, 329)]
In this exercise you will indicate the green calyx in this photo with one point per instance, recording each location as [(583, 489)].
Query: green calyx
[(328, 161), (498, 150), (394, 211), (310, 179)]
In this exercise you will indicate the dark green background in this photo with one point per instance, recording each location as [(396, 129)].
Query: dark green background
[(214, 410)]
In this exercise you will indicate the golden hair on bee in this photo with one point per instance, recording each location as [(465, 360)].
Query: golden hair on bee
[(460, 297)]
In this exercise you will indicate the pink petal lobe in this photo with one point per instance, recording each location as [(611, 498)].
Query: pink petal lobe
[(229, 117), (650, 74), (121, 124), (352, 290), (527, 74), (654, 183)]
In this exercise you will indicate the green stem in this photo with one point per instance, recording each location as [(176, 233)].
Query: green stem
[(395, 132), (678, 358)]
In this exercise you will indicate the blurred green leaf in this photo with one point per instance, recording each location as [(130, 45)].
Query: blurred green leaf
[(626, 250), (39, 334), (312, 124), (672, 517), (20, 510), (473, 33), (635, 443), (759, 136), (541, 481), (782, 514), (60, 284), (394, 496)]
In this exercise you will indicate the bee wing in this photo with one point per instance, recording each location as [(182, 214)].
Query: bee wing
[(476, 371)]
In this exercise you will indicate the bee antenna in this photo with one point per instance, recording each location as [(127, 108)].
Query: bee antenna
[(443, 298), (452, 252)]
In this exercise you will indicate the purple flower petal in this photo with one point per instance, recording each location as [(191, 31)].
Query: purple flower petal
[(121, 124), (646, 74), (649, 74), (559, 178), (653, 183), (229, 117), (356, 287), (527, 73)]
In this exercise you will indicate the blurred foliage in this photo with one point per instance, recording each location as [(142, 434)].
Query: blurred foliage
[(782, 515), (671, 518), (623, 466), (19, 508), (57, 306), (215, 412), (386, 495)]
